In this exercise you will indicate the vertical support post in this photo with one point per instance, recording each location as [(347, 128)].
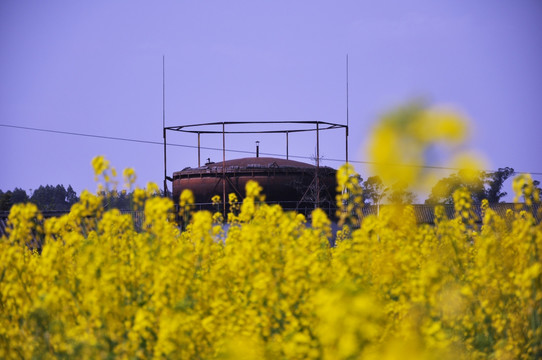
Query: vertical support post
[(346, 132), (165, 164), (164, 120), (224, 168), (317, 164), (346, 109), (199, 153), (286, 145)]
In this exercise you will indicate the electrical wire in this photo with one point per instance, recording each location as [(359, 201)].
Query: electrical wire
[(140, 141)]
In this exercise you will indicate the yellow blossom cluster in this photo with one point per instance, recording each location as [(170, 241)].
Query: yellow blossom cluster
[(264, 283), (268, 285), (349, 199), (523, 186), (408, 137)]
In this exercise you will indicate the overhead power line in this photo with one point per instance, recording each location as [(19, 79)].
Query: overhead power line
[(140, 141)]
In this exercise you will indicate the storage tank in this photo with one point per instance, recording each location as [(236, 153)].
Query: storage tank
[(290, 183)]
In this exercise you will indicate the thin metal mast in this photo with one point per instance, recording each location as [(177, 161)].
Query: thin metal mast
[(317, 164), (199, 152), (224, 168), (164, 120), (347, 108), (286, 145)]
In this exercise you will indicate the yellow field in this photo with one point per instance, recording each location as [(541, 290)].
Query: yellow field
[(271, 287)]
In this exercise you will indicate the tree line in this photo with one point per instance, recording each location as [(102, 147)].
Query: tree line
[(486, 185), (58, 198)]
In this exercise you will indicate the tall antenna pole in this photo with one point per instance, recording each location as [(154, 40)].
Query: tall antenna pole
[(347, 108), (164, 120), (317, 164), (224, 168)]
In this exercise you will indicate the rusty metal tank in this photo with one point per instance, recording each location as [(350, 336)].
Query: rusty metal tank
[(289, 183)]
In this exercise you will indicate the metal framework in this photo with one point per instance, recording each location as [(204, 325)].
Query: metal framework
[(298, 127)]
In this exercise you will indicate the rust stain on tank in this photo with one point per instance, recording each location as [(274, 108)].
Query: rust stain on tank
[(282, 180)]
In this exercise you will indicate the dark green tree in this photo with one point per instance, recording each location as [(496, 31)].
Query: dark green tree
[(71, 196), (54, 198), (442, 192), (44, 198), (19, 196), (5, 200), (373, 190), (483, 186), (8, 198), (495, 183), (121, 200), (400, 194)]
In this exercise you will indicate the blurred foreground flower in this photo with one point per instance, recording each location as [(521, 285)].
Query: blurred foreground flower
[(404, 141), (268, 285)]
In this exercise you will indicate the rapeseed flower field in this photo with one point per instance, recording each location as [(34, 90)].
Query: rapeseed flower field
[(271, 286)]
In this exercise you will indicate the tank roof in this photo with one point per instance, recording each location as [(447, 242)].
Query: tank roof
[(250, 163), (265, 161)]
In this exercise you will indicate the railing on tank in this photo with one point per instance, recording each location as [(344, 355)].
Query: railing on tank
[(285, 127)]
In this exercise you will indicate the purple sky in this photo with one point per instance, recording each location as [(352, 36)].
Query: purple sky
[(96, 67)]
